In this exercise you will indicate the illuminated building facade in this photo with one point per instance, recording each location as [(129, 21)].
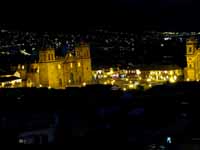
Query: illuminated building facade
[(58, 72), (10, 79), (192, 71)]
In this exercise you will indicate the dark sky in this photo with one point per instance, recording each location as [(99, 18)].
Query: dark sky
[(82, 14)]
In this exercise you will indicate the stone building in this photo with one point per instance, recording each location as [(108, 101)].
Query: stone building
[(58, 72), (192, 71)]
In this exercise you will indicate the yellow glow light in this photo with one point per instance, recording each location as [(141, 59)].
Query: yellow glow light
[(131, 86), (188, 79), (150, 85), (138, 72), (49, 87), (84, 84), (124, 89), (126, 79), (112, 82), (105, 76), (79, 64), (175, 77), (69, 81), (171, 80), (40, 85), (23, 67), (105, 83), (130, 81), (148, 80), (59, 66), (71, 65)]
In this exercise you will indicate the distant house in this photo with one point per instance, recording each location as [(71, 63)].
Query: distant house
[(10, 79)]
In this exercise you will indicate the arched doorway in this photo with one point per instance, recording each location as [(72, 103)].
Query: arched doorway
[(72, 78)]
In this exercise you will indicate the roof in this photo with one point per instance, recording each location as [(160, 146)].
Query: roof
[(5, 79)]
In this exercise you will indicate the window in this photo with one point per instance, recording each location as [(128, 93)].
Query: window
[(49, 57), (79, 64), (190, 49), (71, 65)]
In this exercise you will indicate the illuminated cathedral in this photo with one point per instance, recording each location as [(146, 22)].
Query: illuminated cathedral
[(58, 72), (192, 71)]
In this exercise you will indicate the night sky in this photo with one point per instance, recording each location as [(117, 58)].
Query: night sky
[(123, 14)]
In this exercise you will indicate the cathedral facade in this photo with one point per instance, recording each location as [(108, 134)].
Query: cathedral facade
[(192, 71), (58, 72)]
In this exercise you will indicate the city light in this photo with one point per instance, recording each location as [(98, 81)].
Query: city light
[(84, 84), (148, 80), (138, 72), (171, 80), (79, 64), (131, 86), (124, 89), (175, 77), (59, 66), (112, 82), (71, 65), (40, 85), (105, 76), (171, 72), (105, 83)]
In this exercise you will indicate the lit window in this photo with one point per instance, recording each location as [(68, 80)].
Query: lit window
[(71, 65), (79, 64), (59, 66), (23, 67)]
